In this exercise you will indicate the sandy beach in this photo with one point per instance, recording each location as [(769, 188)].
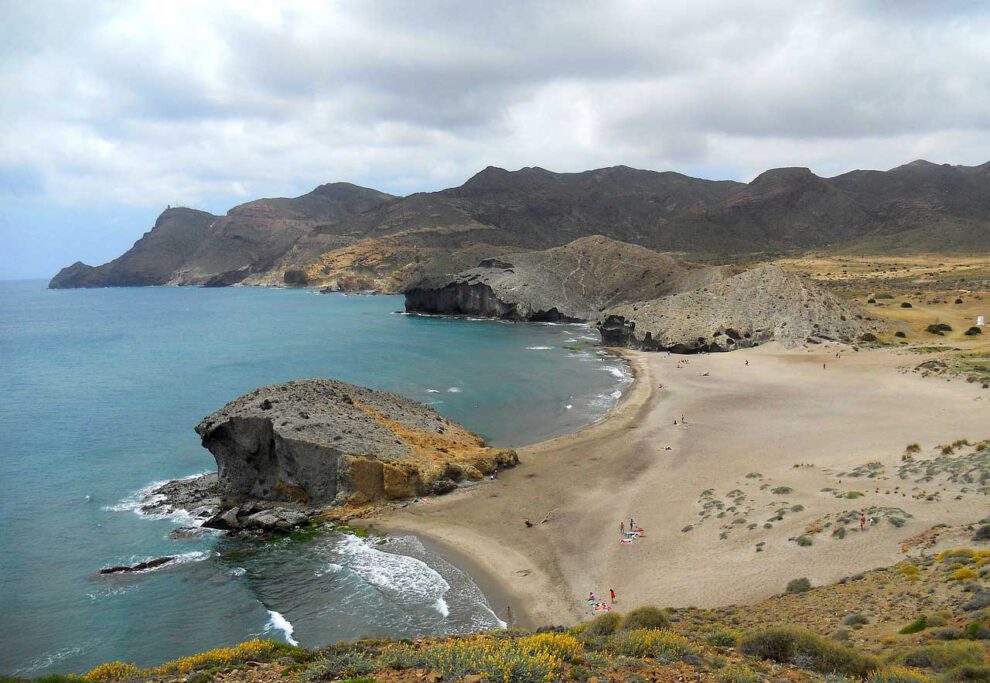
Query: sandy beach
[(803, 433)]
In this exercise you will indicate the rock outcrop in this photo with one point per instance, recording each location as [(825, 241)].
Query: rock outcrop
[(572, 283), (323, 442), (759, 305)]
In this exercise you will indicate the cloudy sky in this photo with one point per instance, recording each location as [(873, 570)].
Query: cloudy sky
[(111, 110)]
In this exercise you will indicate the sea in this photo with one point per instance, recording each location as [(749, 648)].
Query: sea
[(99, 393)]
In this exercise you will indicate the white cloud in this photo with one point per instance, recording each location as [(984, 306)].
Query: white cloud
[(180, 102)]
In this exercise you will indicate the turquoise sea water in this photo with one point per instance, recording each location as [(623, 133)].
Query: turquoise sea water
[(100, 392)]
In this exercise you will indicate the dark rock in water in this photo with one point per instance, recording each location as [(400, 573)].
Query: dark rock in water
[(279, 520), (322, 442), (139, 567)]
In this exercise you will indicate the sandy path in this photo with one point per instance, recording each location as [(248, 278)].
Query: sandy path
[(781, 410)]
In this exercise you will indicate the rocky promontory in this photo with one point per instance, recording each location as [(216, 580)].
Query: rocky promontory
[(287, 451), (572, 283), (759, 305)]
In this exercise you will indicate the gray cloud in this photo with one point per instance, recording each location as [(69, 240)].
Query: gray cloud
[(188, 102)]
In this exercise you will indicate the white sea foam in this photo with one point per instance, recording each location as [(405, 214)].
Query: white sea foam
[(455, 390), (146, 496), (276, 622), (616, 372), (441, 606), (433, 391), (568, 406), (237, 571), (402, 578), (539, 348)]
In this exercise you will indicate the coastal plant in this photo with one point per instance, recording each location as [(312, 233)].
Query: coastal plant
[(723, 637), (941, 656), (646, 618), (801, 585), (898, 674), (963, 574), (660, 644), (803, 648), (560, 645), (604, 624), (252, 650), (983, 533), (965, 673), (112, 671), (400, 657), (855, 619), (501, 660), (804, 540), (737, 674), (335, 665), (916, 626)]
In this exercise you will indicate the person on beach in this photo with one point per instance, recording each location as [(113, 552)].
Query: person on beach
[(862, 522), (591, 598), (747, 363), (622, 528), (611, 595), (508, 614), (632, 524)]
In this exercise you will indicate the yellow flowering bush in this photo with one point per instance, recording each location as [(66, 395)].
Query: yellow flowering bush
[(502, 660), (561, 645), (909, 570), (964, 574), (658, 644), (955, 555), (112, 671)]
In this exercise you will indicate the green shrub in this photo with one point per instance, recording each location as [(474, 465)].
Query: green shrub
[(916, 626), (604, 624), (983, 533), (975, 630), (973, 331), (658, 644), (723, 637), (400, 658), (855, 619), (798, 585), (339, 665), (804, 540), (801, 647), (782, 490), (737, 674), (645, 618), (942, 656), (966, 672), (897, 674)]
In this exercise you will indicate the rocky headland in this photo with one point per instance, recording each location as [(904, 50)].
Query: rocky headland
[(572, 283), (759, 305), (286, 453)]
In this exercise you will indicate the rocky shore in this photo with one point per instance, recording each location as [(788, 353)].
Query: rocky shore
[(292, 452)]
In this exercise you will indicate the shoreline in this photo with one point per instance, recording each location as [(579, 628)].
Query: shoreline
[(496, 589), (748, 413)]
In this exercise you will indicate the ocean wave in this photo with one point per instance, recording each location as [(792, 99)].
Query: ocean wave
[(181, 558), (454, 390), (433, 391), (404, 579), (276, 622), (539, 348), (146, 496), (616, 371), (441, 606)]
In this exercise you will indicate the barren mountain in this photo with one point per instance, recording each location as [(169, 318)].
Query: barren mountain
[(341, 235)]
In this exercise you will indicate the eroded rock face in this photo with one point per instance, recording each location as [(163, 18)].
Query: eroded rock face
[(572, 283), (757, 306), (324, 442)]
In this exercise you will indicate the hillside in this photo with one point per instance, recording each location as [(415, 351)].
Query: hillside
[(348, 237), (575, 282)]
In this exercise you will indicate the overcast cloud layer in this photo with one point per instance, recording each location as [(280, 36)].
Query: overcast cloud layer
[(111, 110)]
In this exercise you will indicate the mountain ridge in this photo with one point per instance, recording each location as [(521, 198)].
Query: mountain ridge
[(345, 236)]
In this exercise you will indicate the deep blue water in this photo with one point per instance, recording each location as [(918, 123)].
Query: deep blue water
[(100, 392)]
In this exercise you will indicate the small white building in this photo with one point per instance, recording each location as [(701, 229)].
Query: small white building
[(981, 320)]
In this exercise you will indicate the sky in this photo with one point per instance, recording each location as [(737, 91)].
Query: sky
[(109, 111)]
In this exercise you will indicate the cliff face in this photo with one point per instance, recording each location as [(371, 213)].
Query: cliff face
[(757, 306), (321, 442), (570, 283)]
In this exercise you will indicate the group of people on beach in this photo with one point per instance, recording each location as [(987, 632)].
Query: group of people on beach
[(633, 532), (597, 605)]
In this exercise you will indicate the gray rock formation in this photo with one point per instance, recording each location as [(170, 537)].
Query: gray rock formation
[(323, 442), (757, 306), (575, 282)]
